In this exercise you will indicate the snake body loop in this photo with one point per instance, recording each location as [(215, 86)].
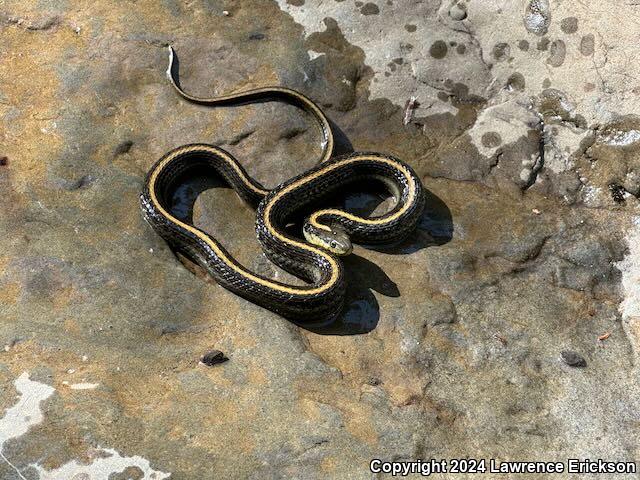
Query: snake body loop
[(322, 298)]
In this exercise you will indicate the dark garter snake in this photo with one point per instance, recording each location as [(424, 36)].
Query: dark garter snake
[(328, 231)]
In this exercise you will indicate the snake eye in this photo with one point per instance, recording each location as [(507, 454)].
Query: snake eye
[(333, 244)]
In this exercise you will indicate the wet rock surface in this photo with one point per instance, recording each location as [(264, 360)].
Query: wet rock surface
[(524, 130)]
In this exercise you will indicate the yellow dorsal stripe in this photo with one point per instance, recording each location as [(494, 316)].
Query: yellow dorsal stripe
[(368, 221), (213, 245)]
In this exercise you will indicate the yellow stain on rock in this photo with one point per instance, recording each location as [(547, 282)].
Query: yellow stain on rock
[(63, 297), (71, 326), (4, 261), (355, 414), (33, 98), (309, 409), (328, 464), (9, 293), (403, 395), (257, 376), (358, 423)]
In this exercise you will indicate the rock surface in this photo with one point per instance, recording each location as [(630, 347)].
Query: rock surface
[(525, 131)]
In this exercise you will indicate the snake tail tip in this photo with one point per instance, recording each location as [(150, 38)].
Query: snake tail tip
[(170, 66)]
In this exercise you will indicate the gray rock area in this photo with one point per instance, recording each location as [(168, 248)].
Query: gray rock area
[(507, 326)]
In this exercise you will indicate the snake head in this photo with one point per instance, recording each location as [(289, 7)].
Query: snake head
[(334, 240)]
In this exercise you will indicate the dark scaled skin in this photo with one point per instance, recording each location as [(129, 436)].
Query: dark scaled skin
[(309, 264)]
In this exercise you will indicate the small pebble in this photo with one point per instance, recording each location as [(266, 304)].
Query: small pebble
[(536, 211), (70, 371), (458, 12), (213, 357), (373, 381), (573, 359), (617, 193), (225, 13), (85, 358)]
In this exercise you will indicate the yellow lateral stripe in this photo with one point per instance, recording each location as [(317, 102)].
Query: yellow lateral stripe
[(313, 218), (308, 104), (203, 236), (327, 143), (215, 151)]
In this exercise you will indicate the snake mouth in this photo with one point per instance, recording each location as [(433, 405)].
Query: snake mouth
[(344, 251), (340, 250)]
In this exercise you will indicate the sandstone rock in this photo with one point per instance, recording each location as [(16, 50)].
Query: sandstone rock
[(525, 132)]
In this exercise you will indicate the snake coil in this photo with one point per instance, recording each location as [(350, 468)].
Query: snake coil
[(329, 232)]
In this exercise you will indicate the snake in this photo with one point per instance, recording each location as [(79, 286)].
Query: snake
[(327, 233)]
